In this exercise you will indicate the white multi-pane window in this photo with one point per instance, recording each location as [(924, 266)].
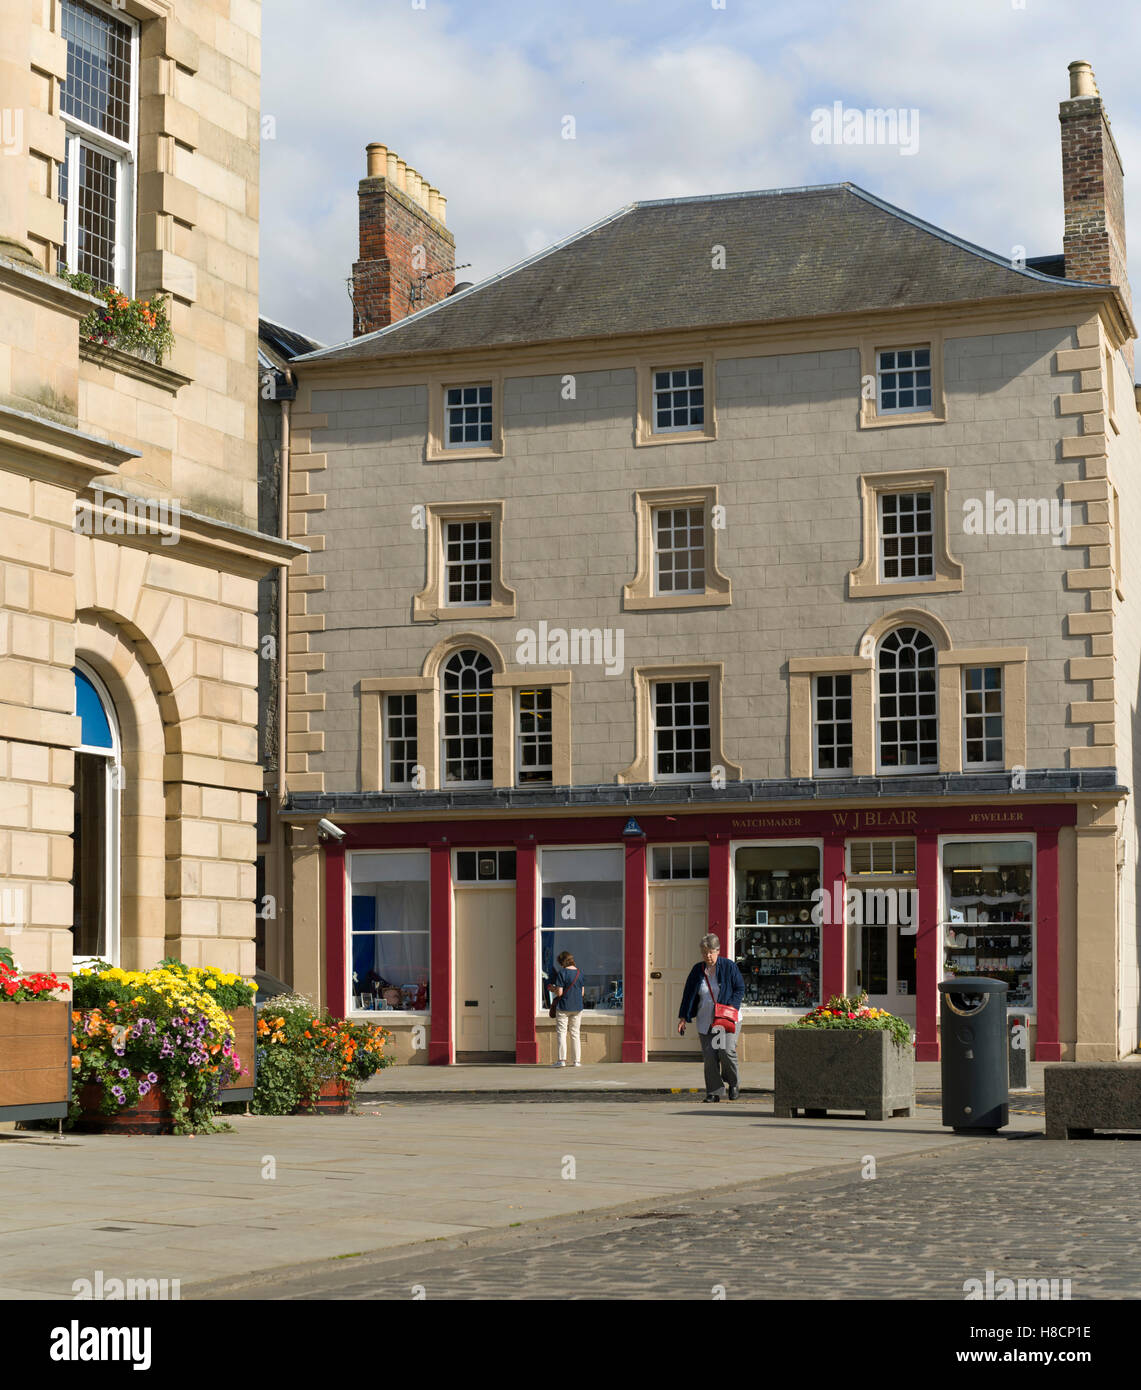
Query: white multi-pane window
[(467, 721), (679, 862), (833, 724), (682, 731), (467, 563), (400, 742), (907, 717), (467, 412), (679, 550), (534, 744), (907, 536), (679, 399), (982, 717), (99, 104), (903, 380)]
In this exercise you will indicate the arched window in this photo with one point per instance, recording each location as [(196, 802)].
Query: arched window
[(98, 780), (907, 715), (466, 700)]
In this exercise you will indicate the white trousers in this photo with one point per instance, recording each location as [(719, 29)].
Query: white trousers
[(563, 1020)]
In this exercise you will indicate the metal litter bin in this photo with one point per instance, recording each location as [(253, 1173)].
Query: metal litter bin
[(976, 1085)]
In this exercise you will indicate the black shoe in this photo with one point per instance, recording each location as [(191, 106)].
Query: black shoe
[(734, 1092), (711, 1098)]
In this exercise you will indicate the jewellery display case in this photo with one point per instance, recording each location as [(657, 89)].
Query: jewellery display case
[(989, 906), (777, 946)]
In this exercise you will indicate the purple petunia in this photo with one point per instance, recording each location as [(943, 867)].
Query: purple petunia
[(144, 1087), (119, 1094), (124, 1073), (152, 1077)]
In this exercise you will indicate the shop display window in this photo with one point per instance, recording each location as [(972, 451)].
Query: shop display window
[(777, 947), (988, 911), (582, 912), (390, 950)]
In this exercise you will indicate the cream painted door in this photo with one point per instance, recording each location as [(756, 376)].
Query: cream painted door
[(679, 918), (485, 969)]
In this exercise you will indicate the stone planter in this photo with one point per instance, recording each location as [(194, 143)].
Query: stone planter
[(245, 1045), (823, 1069), (152, 1114), (334, 1098), (35, 1060)]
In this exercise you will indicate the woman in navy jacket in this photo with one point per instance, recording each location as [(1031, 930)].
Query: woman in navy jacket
[(713, 981)]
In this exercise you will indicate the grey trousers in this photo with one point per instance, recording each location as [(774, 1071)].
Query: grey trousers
[(720, 1060)]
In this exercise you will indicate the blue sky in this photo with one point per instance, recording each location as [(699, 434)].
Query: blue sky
[(671, 98)]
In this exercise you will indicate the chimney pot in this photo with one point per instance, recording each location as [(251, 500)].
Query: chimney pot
[(1082, 83), (442, 214), (434, 203), (391, 167), (377, 156), (401, 173)]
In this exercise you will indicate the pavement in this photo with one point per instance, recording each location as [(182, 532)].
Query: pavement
[(282, 1197)]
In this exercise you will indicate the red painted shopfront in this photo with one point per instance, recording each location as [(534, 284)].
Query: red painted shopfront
[(723, 832)]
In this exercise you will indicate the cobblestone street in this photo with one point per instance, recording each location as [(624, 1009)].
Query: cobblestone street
[(1018, 1206)]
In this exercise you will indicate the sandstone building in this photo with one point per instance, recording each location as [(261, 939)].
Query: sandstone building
[(129, 548), (749, 564)]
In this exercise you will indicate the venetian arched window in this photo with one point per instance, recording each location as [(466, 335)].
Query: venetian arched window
[(98, 781), (466, 735), (907, 714)]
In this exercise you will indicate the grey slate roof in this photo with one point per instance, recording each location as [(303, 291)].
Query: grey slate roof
[(796, 253), (278, 345)]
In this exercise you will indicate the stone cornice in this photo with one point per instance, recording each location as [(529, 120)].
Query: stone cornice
[(116, 360), (31, 282), (49, 451)]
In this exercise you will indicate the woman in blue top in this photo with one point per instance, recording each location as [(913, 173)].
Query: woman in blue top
[(567, 980)]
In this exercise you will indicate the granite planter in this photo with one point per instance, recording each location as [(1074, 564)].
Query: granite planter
[(35, 1059), (245, 1045), (845, 1069)]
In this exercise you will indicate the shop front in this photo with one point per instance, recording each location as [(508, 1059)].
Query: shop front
[(447, 931)]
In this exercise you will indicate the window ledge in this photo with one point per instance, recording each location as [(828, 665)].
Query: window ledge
[(872, 421), (126, 363), (435, 455), (883, 589), (473, 614), (608, 1016), (647, 603)]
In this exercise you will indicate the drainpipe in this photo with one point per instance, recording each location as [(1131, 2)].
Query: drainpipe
[(283, 683)]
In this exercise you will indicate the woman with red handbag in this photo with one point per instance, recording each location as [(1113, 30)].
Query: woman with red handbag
[(713, 994)]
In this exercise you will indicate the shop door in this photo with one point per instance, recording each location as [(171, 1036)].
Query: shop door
[(887, 967), (679, 918), (485, 974)]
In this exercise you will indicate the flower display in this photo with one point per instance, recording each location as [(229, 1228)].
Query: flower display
[(300, 1047), (139, 326), (134, 1030), (844, 1011), (16, 988)]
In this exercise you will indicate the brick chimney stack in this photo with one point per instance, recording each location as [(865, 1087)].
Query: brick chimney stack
[(1092, 188), (407, 254)]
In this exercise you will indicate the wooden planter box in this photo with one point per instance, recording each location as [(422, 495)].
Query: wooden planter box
[(334, 1098), (245, 1044), (152, 1114), (823, 1069), (35, 1060)]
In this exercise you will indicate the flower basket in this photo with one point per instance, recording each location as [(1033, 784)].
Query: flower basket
[(845, 1057), (35, 1060), (35, 1044), (333, 1098), (150, 1114)]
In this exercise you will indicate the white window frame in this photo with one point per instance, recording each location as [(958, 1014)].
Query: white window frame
[(990, 764), (929, 535), (125, 155), (445, 781), (819, 771), (390, 782), (881, 409), (901, 769), (519, 738), (1030, 1010), (655, 513), (689, 428), (461, 568), (112, 810), (489, 386), (695, 776)]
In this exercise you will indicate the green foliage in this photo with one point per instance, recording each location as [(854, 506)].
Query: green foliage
[(300, 1047)]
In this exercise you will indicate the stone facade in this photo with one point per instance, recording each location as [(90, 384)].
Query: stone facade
[(128, 500)]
